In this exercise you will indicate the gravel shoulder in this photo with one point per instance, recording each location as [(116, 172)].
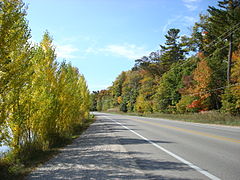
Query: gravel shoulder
[(97, 154)]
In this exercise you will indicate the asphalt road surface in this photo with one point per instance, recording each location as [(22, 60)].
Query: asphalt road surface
[(130, 147)]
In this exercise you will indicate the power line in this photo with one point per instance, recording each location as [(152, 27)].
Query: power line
[(206, 92), (229, 32)]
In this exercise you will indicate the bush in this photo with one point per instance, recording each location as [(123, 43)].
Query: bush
[(229, 103), (182, 105)]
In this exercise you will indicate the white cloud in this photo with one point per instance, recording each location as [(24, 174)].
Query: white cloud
[(190, 19), (129, 51), (90, 50), (66, 51), (192, 5)]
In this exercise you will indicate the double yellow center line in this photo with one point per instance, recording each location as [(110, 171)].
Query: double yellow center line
[(189, 131)]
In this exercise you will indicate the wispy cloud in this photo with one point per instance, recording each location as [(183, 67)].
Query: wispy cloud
[(129, 51), (90, 50), (66, 51), (169, 22), (192, 5), (190, 19), (178, 21)]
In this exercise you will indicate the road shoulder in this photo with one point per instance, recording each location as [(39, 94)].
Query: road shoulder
[(96, 154)]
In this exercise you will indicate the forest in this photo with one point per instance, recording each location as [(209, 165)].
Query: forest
[(188, 74), (41, 100)]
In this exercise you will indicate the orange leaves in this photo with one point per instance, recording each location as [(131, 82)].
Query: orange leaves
[(236, 66), (119, 99), (200, 55), (202, 75), (197, 85)]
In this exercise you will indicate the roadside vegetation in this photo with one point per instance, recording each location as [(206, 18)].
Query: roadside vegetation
[(43, 103), (14, 167), (195, 76)]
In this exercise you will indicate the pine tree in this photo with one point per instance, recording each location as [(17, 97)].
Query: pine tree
[(172, 51), (226, 19)]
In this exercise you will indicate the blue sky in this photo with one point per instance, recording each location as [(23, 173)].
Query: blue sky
[(104, 37)]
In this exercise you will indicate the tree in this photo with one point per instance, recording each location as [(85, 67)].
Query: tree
[(117, 87), (200, 90), (93, 100), (15, 58), (231, 96), (44, 92), (172, 51), (144, 101), (167, 94), (226, 19), (130, 90)]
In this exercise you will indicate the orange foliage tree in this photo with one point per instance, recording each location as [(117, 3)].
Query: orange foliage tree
[(199, 87)]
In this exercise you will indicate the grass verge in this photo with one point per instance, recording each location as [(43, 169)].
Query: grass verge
[(211, 117), (11, 167)]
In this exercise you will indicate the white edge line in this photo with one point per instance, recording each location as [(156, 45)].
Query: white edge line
[(209, 175)]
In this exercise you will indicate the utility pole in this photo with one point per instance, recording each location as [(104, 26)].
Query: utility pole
[(229, 60)]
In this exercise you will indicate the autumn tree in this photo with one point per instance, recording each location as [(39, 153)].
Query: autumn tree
[(200, 88), (117, 89), (15, 58), (144, 101), (231, 96), (130, 91)]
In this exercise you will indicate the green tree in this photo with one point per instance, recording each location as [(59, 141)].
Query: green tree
[(226, 19), (130, 90), (167, 94), (93, 100), (117, 87), (231, 96), (172, 51)]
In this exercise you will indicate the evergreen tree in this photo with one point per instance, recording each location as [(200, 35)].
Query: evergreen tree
[(226, 19), (172, 51)]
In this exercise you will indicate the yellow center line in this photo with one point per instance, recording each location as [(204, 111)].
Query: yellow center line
[(189, 131)]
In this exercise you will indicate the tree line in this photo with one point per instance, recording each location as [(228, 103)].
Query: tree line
[(193, 73), (41, 100)]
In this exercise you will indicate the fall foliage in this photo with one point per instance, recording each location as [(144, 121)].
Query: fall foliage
[(41, 101), (186, 74)]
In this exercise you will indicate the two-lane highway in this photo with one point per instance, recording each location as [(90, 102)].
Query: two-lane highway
[(165, 149)]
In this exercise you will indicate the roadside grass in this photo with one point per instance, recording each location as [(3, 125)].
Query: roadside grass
[(211, 117), (17, 168)]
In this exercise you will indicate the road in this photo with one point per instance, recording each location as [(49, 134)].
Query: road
[(130, 147), (177, 149)]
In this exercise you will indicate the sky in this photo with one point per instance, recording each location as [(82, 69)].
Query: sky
[(104, 37)]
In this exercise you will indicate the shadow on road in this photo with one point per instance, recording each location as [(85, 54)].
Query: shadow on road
[(99, 155)]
